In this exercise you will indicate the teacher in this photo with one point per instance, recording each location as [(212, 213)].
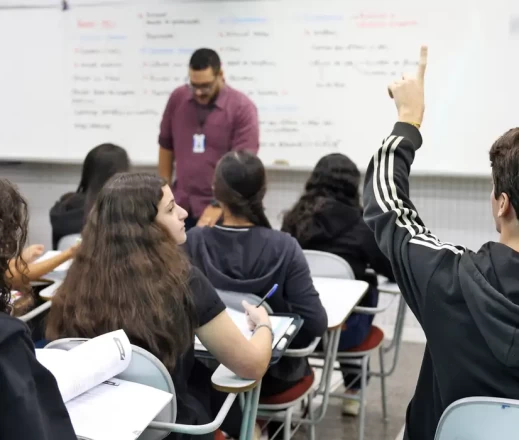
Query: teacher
[(203, 120)]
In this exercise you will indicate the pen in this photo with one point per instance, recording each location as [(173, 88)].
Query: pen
[(268, 295)]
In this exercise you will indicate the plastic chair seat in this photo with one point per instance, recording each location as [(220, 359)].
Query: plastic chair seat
[(372, 342), (291, 394)]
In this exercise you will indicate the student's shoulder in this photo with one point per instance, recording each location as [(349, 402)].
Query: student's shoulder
[(207, 302), (11, 328), (279, 240)]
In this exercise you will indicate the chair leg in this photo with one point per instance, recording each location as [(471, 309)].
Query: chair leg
[(287, 428), (363, 386), (311, 427), (383, 383)]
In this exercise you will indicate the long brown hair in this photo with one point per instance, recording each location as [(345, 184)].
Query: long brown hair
[(128, 274), (13, 235), (240, 183)]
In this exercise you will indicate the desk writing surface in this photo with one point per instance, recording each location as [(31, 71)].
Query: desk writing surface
[(339, 297), (49, 292)]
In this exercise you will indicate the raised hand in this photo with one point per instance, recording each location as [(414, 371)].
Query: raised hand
[(408, 93)]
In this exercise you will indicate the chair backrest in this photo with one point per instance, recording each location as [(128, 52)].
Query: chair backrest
[(145, 369), (233, 299), (67, 241), (325, 264), (480, 418)]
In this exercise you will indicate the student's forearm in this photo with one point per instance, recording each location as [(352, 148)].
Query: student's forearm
[(36, 271), (262, 343)]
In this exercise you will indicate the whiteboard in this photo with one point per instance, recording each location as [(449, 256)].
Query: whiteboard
[(317, 71)]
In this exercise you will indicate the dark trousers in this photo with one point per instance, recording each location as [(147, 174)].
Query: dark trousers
[(357, 330)]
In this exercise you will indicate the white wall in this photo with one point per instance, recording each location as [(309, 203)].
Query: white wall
[(455, 209)]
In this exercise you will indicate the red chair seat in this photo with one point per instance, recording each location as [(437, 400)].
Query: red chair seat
[(372, 341), (292, 393)]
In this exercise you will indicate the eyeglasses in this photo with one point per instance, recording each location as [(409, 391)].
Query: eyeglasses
[(204, 88)]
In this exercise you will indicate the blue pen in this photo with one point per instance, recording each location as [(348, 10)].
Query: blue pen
[(268, 295)]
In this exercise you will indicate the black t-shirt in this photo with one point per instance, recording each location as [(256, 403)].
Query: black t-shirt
[(193, 382), (31, 407)]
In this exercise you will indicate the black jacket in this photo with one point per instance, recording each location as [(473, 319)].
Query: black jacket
[(339, 229), (466, 302), (31, 407), (67, 216), (252, 260)]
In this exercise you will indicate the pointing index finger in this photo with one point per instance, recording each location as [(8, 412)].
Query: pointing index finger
[(422, 64)]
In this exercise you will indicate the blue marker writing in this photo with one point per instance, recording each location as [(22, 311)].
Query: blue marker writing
[(268, 295)]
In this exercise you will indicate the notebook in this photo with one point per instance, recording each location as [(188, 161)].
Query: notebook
[(101, 406), (280, 325)]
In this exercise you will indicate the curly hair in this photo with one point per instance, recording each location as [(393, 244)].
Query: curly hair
[(128, 274), (14, 219), (334, 178), (240, 183)]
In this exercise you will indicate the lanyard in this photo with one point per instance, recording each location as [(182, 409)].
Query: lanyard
[(202, 114)]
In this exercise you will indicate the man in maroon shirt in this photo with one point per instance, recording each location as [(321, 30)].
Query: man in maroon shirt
[(203, 120)]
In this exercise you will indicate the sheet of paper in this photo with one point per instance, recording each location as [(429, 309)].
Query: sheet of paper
[(116, 410), (280, 325), (49, 254), (89, 364)]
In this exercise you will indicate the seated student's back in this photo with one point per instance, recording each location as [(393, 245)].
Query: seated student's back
[(328, 218), (130, 274), (31, 407), (244, 254), (67, 216)]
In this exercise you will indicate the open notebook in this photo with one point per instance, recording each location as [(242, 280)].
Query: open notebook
[(101, 406), (280, 325)]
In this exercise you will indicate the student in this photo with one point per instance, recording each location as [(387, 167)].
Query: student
[(328, 218), (244, 254), (31, 407), (466, 302), (130, 274), (67, 216)]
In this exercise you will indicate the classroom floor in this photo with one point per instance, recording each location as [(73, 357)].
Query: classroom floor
[(400, 387)]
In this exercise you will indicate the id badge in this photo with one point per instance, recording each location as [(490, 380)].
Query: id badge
[(198, 143)]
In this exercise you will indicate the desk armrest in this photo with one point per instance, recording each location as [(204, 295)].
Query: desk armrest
[(374, 310), (302, 352), (198, 429), (35, 312), (226, 381)]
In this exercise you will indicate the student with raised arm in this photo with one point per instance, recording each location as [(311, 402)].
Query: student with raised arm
[(130, 274), (466, 302), (31, 407)]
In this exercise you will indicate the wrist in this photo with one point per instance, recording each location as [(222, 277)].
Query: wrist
[(411, 117), (266, 327)]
